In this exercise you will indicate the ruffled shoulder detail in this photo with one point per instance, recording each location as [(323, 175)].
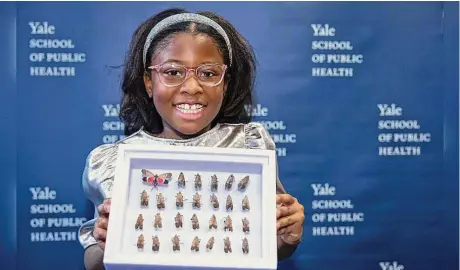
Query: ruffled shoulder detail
[(99, 170), (98, 173), (257, 137)]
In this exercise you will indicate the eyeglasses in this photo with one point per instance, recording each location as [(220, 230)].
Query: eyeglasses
[(172, 74)]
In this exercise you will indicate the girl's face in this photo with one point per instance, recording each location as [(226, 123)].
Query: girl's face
[(186, 108)]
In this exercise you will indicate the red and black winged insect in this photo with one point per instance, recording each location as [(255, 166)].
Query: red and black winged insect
[(156, 180)]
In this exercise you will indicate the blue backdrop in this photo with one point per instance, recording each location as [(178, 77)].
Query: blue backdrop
[(362, 97)]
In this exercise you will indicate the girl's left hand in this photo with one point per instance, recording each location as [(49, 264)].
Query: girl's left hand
[(290, 217)]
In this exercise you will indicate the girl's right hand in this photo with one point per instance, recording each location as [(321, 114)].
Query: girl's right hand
[(100, 228)]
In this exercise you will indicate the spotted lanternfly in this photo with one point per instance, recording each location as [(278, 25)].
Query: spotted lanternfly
[(242, 185), (245, 203), (178, 220), (245, 225), (157, 223), (181, 180), (195, 223), (198, 182), (213, 222), (227, 245), (155, 243), (179, 200), (144, 198), (150, 178), (228, 224), (176, 243), (140, 242), (245, 246), (160, 201), (214, 201), (214, 183), (229, 182), (210, 243), (229, 203), (196, 201), (139, 222), (196, 244)]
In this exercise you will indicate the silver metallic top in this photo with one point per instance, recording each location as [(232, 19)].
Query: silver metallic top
[(184, 17), (99, 169)]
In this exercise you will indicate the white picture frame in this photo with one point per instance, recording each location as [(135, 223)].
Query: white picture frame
[(121, 251)]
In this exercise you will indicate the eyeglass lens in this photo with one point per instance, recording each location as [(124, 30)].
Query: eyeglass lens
[(173, 74)]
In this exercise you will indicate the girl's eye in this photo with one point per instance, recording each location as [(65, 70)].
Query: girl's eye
[(207, 73), (173, 72)]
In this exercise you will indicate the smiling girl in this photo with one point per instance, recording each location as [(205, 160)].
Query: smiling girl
[(187, 80)]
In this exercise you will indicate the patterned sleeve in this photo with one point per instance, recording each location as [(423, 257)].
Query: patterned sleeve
[(257, 137), (96, 181)]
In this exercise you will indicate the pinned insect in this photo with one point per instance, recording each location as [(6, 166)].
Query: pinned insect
[(195, 223), (245, 246), (155, 180), (196, 244), (140, 242), (196, 201), (181, 181), (210, 243), (160, 201), (228, 224), (198, 182), (139, 222), (176, 243), (155, 243), (178, 220), (214, 183), (144, 198), (214, 201), (213, 222), (245, 203), (245, 225), (179, 200), (227, 245), (242, 185), (229, 182), (229, 203), (157, 224)]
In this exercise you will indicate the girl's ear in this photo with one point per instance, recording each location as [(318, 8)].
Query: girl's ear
[(148, 84)]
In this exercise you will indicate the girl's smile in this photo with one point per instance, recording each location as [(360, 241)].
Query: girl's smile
[(190, 110)]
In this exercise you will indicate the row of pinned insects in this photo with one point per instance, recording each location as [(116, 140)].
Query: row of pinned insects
[(179, 222), (195, 246), (164, 179), (196, 202)]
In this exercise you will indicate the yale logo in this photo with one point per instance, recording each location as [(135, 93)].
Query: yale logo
[(391, 266)]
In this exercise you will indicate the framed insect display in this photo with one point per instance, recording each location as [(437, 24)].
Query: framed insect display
[(208, 208)]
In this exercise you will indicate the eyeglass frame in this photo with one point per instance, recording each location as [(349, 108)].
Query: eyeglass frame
[(187, 71)]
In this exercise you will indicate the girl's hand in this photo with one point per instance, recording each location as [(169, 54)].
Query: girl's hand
[(100, 228), (290, 217)]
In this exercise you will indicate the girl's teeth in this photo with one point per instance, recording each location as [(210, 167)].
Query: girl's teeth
[(186, 108)]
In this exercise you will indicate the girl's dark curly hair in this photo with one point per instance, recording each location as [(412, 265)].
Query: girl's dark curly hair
[(137, 109)]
